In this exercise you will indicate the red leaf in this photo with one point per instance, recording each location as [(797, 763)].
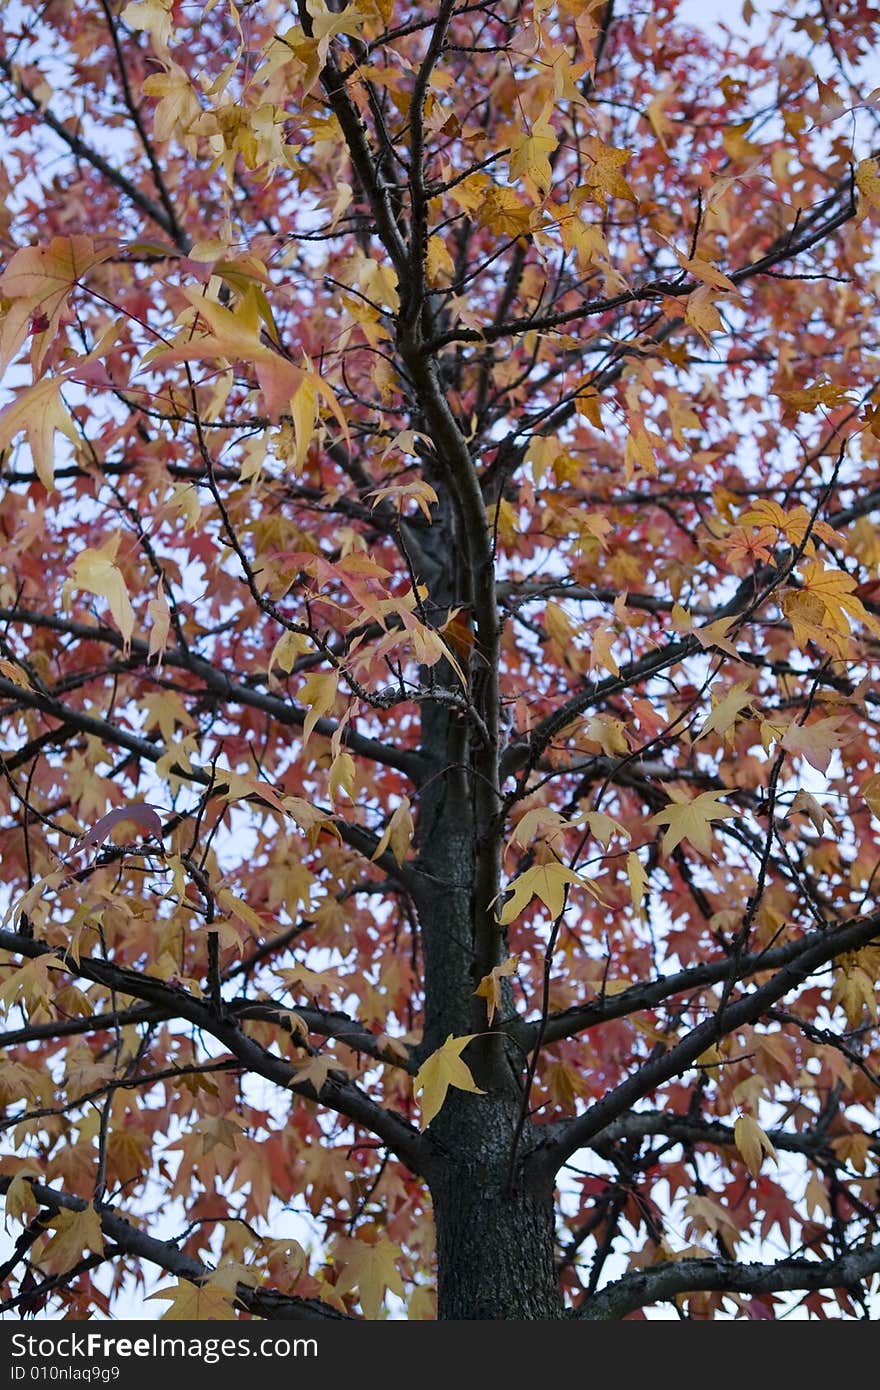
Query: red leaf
[(138, 811)]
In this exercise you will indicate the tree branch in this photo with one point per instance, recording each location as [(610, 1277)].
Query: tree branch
[(561, 1139), (664, 1281), (265, 1303), (342, 1096)]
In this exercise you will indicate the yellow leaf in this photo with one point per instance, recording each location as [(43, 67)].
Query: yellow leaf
[(752, 1143), (15, 674), (559, 625), (602, 827), (303, 408), (38, 411), (444, 1068), (609, 733), (638, 879), (868, 181), (529, 152), (544, 881), (315, 1072), (195, 1303), (398, 833), (692, 820), (701, 314), (154, 17), (737, 146), (708, 273), (74, 1232), (825, 609), (21, 1204), (318, 691), (177, 108), (160, 616), (603, 178), (289, 646), (341, 777), (726, 712), (489, 987), (439, 262), (540, 823), (371, 1269), (822, 393), (96, 571)]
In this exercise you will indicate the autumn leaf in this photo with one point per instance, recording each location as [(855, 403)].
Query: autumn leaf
[(444, 1068), (73, 1233), (530, 151), (136, 813), (21, 1204), (727, 710), (489, 987), (205, 1302), (545, 881), (603, 177), (692, 821), (752, 1143), (37, 284), (371, 1269), (96, 571), (154, 17), (38, 412), (638, 879), (805, 801), (398, 833), (815, 742)]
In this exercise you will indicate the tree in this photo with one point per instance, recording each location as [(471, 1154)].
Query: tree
[(439, 653)]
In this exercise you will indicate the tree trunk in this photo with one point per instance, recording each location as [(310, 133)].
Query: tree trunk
[(495, 1245), (495, 1238)]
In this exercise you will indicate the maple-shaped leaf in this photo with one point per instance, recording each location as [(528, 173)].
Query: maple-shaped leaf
[(315, 1071), (826, 394), (444, 1068), (752, 1143), (178, 105), (73, 1233), (369, 1268), (825, 608), (817, 741), (529, 152), (728, 709), (154, 17), (692, 821), (38, 412), (545, 881), (438, 260), (602, 177), (489, 987), (36, 285), (871, 793), (204, 1302)]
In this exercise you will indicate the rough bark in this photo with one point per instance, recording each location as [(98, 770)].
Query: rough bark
[(495, 1241)]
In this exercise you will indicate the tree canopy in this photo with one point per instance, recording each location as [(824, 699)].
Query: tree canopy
[(439, 656)]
